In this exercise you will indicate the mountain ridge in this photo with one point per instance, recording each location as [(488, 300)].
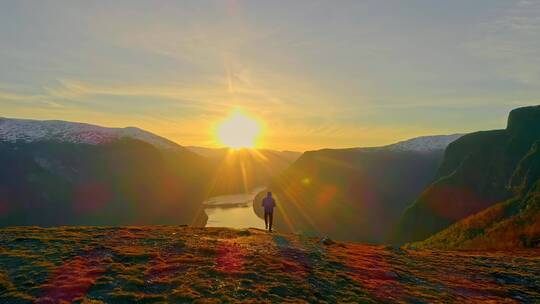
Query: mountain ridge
[(514, 223), (29, 130), (477, 172), (424, 143), (362, 189), (125, 181), (66, 173)]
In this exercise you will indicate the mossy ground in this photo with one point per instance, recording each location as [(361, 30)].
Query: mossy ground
[(169, 264)]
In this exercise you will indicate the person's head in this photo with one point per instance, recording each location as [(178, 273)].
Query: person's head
[(268, 193)]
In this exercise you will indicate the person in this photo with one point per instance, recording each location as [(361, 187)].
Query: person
[(268, 203)]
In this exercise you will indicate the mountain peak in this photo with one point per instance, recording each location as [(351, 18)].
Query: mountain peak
[(424, 143), (524, 121), (29, 130)]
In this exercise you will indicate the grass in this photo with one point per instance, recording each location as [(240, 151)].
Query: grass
[(169, 264)]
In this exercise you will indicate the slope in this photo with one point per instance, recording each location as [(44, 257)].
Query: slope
[(512, 224), (353, 194), (475, 174)]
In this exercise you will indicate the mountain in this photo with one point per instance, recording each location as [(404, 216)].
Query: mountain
[(478, 171), (209, 152), (27, 130), (242, 170), (355, 194), (67, 173), (221, 153), (511, 224), (424, 143), (62, 173)]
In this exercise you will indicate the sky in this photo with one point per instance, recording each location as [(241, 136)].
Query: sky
[(317, 73)]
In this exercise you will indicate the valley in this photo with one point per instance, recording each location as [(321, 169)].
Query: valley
[(482, 187), (233, 211)]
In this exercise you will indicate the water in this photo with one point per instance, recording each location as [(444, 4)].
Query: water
[(234, 210)]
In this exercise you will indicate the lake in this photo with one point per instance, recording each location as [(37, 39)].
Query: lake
[(233, 210)]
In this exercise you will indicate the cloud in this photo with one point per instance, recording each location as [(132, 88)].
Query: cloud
[(70, 89), (511, 40), (28, 99), (18, 97)]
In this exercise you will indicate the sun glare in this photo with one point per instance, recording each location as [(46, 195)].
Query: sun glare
[(239, 131)]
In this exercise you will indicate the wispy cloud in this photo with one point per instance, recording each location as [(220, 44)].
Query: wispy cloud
[(511, 39), (316, 72), (19, 97), (28, 99)]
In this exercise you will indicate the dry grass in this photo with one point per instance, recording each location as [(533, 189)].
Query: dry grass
[(165, 264)]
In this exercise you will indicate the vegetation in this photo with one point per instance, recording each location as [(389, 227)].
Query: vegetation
[(123, 182), (478, 171), (511, 224), (166, 264)]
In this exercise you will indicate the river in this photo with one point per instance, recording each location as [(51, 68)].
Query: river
[(233, 210)]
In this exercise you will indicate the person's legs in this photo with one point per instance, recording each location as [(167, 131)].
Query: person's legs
[(271, 219), (266, 220)]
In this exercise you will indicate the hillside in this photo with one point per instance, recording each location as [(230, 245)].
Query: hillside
[(171, 264), (511, 224), (67, 173), (354, 194), (424, 143), (125, 181), (28, 130), (476, 173)]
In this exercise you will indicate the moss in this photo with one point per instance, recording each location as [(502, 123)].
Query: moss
[(323, 274)]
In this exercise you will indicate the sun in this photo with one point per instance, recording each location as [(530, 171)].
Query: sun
[(239, 130)]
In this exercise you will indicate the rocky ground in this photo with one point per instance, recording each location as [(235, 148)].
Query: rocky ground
[(215, 265)]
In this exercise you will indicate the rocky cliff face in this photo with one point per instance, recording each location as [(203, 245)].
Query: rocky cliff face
[(524, 122), (476, 173), (511, 224)]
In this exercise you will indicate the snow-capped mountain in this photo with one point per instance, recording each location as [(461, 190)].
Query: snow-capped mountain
[(28, 130), (424, 143)]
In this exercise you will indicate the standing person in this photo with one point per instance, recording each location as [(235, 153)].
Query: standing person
[(268, 203)]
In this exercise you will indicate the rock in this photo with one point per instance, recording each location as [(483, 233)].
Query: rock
[(397, 250), (391, 275), (524, 121), (519, 298), (244, 233), (327, 241)]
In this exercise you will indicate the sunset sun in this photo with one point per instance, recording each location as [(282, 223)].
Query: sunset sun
[(238, 130)]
